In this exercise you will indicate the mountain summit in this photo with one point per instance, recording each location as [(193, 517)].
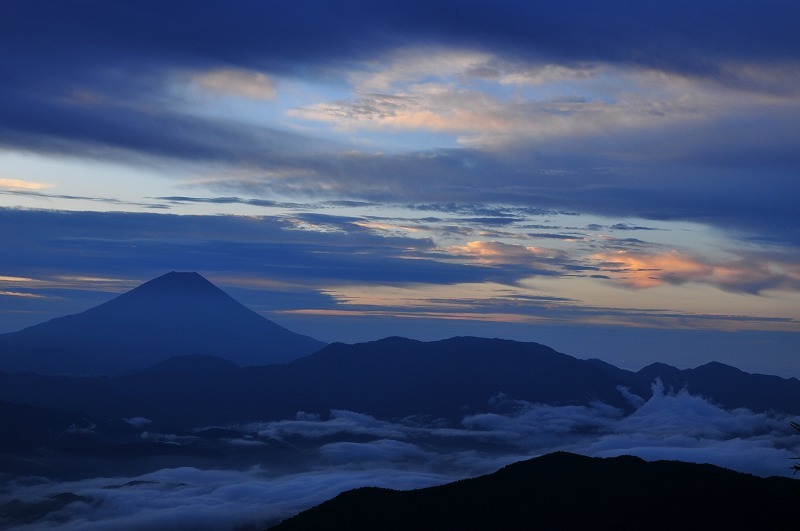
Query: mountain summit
[(175, 314), (569, 491)]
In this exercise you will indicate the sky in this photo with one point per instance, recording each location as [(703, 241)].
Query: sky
[(615, 181)]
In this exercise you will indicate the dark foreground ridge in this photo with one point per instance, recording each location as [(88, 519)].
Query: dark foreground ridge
[(568, 491), (175, 314)]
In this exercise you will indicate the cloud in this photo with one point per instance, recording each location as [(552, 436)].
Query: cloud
[(374, 451), (138, 422), (341, 260), (203, 499), (340, 421), (267, 203), (17, 184), (207, 243), (628, 226), (231, 82), (5, 293), (688, 428), (651, 35), (31, 192), (637, 111), (667, 424), (348, 450), (647, 270), (421, 93), (498, 252)]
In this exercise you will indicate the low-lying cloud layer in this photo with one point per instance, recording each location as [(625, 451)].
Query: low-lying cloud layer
[(350, 450), (191, 498)]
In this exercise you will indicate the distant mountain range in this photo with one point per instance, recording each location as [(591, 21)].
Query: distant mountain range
[(392, 378), (183, 354), (568, 491), (175, 314), (725, 385)]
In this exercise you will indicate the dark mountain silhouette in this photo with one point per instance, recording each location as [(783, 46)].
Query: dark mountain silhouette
[(567, 491), (198, 364), (175, 314), (391, 379), (449, 377), (24, 428), (44, 441), (725, 385)]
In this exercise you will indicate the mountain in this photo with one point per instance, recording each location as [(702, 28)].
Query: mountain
[(448, 378), (175, 314), (568, 491), (392, 378), (725, 385), (27, 427)]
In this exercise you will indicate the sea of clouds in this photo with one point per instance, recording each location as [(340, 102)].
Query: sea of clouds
[(351, 449)]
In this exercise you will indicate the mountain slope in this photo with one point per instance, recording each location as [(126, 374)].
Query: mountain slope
[(391, 378), (175, 314), (725, 385), (24, 428), (567, 491), (453, 376)]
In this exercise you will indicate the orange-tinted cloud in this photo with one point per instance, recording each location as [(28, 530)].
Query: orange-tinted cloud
[(17, 184), (235, 82), (640, 270), (500, 253)]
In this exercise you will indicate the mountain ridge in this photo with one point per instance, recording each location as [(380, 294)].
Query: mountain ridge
[(569, 491), (174, 314), (389, 379)]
